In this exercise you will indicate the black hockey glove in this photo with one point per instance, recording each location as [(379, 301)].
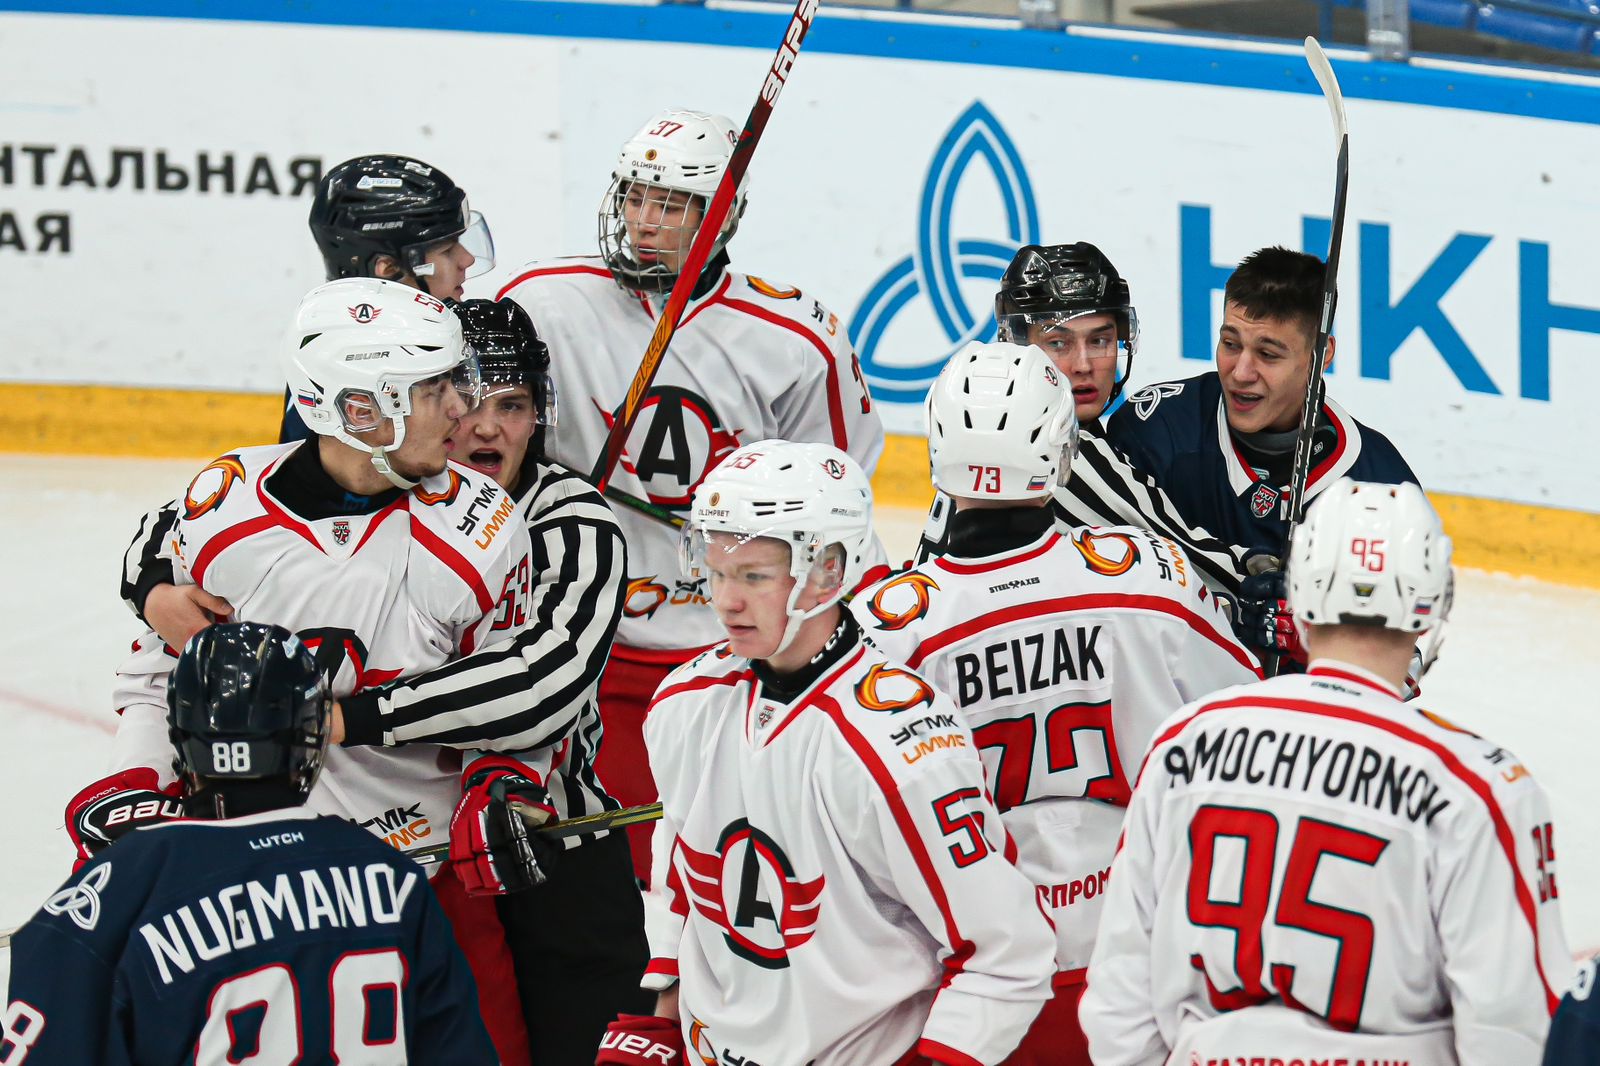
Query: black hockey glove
[(1263, 618)]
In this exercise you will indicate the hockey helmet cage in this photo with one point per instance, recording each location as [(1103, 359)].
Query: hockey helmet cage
[(682, 151), (1001, 424)]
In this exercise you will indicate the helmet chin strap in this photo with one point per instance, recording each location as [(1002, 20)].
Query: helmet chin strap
[(380, 454), (380, 462), (797, 618)]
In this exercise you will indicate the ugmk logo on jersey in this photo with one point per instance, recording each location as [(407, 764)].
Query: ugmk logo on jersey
[(749, 888), (676, 441)]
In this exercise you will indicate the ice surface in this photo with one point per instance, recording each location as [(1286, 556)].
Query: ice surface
[(1520, 665)]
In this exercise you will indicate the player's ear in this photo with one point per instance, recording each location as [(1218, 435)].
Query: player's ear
[(829, 572), (359, 412), (387, 268), (1327, 360)]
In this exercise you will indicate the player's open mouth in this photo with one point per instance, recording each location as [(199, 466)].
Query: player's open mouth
[(1244, 401), (486, 461), (1085, 394)]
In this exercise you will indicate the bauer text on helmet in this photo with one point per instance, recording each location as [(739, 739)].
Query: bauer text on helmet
[(381, 368), (798, 516), (1001, 424)]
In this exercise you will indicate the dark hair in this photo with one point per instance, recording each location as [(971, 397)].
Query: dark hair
[(1278, 283)]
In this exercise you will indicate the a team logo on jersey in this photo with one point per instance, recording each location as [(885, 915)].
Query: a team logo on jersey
[(750, 890), (81, 902), (1117, 561), (902, 600), (677, 440), (364, 313), (775, 292), (211, 486), (888, 688), (1263, 500), (1146, 399), (341, 532), (645, 594), (454, 483), (1444, 723), (700, 1044)]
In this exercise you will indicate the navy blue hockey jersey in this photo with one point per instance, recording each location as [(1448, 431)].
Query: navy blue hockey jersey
[(1575, 1030), (275, 938), (1177, 432)]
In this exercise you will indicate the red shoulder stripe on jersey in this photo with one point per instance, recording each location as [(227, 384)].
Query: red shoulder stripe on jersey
[(276, 510), (694, 684), (841, 437), (727, 279), (932, 1049), (1128, 601), (1452, 762), (1331, 461), (816, 690), (377, 520), (455, 561), (572, 268), (945, 563), (961, 948), (226, 539)]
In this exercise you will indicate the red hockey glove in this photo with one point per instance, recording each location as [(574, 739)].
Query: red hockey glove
[(1263, 617), (641, 1040), (491, 848), (115, 805)]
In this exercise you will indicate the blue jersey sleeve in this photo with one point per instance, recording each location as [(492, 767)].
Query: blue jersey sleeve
[(1575, 1030), (449, 1027)]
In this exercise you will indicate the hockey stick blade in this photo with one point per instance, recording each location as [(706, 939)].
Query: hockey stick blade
[(777, 75), (1322, 70), (595, 823)]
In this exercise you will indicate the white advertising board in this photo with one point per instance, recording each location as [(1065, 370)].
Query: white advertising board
[(894, 187)]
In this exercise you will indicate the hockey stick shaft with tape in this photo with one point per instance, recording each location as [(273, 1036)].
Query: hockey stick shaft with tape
[(705, 239)]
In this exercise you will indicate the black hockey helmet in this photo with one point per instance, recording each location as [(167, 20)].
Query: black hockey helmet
[(247, 713), (1049, 283), (395, 206), (509, 351)]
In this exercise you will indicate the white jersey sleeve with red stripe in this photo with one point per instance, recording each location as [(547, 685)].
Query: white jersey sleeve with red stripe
[(750, 361), (375, 596), (1064, 655), (835, 894), (1314, 841)]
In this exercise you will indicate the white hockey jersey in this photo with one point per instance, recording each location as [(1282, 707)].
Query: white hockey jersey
[(376, 596), (830, 887), (750, 361), (1314, 842), (1064, 654)]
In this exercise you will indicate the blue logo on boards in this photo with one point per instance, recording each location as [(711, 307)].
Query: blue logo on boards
[(942, 259)]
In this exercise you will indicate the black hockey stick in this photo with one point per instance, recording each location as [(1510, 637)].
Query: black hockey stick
[(661, 514), (705, 237), (1300, 471)]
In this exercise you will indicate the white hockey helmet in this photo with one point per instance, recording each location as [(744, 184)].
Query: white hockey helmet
[(808, 496), (1001, 424), (356, 349), (685, 151), (1373, 555)]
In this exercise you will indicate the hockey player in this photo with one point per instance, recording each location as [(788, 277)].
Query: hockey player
[(1221, 444), (1064, 651), (366, 542), (752, 359), (1575, 1030), (1312, 868), (827, 887), (1071, 302), (252, 930), (563, 610)]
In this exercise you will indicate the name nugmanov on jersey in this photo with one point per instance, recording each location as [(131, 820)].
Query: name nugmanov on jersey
[(1027, 664), (1343, 770), (242, 915)]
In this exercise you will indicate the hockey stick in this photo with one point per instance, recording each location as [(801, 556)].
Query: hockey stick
[(1300, 471), (705, 237), (568, 827), (632, 502)]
